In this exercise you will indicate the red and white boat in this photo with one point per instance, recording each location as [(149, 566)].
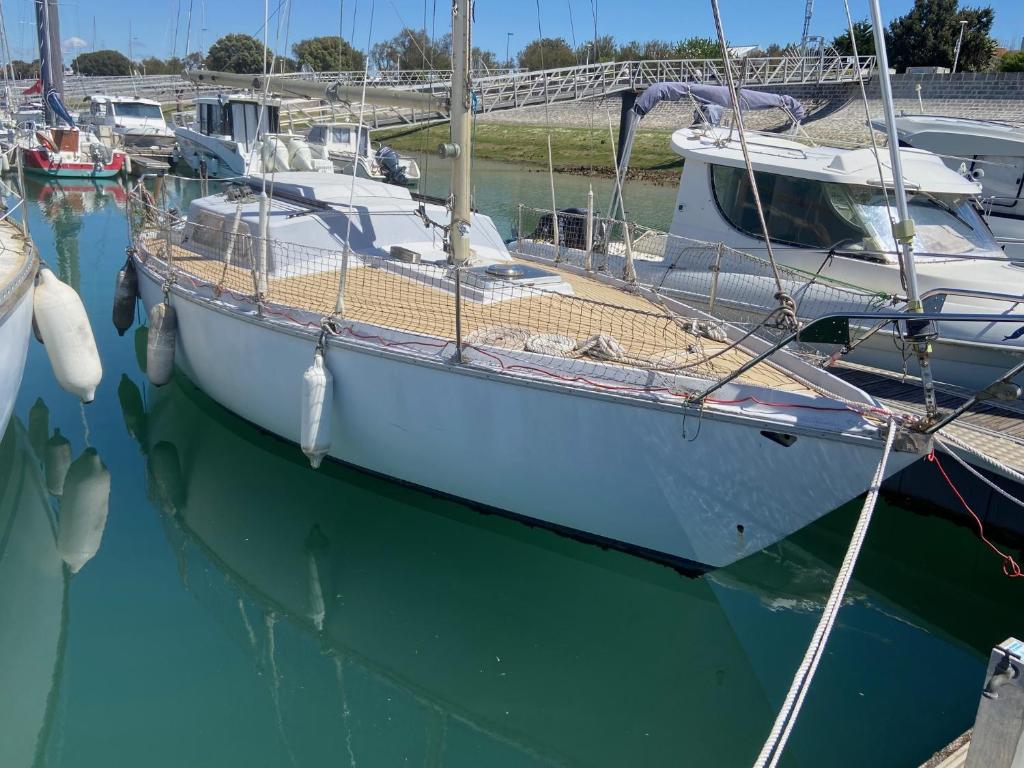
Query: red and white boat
[(67, 152)]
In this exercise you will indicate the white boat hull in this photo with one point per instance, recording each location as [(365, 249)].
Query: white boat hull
[(700, 491), (15, 329), (224, 158)]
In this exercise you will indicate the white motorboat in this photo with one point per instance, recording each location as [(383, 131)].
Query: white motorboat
[(239, 135), (18, 265), (828, 217), (138, 124), (991, 152), (348, 143)]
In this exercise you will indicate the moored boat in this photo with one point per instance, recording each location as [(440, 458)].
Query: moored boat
[(68, 153)]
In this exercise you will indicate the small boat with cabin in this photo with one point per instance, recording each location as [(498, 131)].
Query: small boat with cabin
[(138, 124), (348, 143), (60, 153), (223, 138)]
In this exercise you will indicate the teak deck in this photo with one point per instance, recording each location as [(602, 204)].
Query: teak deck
[(380, 297)]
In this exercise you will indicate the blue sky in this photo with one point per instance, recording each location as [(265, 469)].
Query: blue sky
[(153, 21)]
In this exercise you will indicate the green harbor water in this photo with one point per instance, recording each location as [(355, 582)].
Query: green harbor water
[(232, 607)]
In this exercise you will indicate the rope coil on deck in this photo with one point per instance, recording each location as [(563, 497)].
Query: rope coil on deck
[(773, 747)]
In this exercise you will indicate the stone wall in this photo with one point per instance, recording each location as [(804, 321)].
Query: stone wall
[(836, 111)]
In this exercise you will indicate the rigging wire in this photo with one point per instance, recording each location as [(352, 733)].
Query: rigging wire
[(547, 124), (783, 299), (339, 304)]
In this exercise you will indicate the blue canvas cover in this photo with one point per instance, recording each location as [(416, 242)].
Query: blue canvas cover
[(712, 99)]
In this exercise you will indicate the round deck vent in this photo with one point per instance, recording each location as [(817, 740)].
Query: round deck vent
[(508, 271)]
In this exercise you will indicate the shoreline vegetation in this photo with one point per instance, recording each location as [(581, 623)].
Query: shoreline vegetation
[(576, 151)]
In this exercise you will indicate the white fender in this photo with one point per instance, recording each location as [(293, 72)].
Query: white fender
[(83, 510), (57, 461), (163, 333), (64, 327), (126, 290), (317, 394)]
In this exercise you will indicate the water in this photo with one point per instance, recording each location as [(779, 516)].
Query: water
[(232, 607)]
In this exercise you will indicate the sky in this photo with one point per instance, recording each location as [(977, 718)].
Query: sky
[(161, 27)]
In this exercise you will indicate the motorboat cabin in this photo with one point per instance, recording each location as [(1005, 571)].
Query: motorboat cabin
[(138, 124), (345, 143), (226, 129)]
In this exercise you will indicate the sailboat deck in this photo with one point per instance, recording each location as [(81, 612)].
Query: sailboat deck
[(380, 296)]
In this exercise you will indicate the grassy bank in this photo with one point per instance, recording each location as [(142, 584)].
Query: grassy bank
[(573, 150)]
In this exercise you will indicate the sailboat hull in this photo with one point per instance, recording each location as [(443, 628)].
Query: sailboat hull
[(697, 491), (15, 329), (40, 163)]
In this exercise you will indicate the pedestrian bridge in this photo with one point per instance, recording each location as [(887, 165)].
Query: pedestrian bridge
[(508, 89)]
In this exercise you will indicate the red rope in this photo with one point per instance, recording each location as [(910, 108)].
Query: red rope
[(1010, 567)]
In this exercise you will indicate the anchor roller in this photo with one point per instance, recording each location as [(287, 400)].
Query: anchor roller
[(66, 334), (163, 333), (317, 393), (126, 291)]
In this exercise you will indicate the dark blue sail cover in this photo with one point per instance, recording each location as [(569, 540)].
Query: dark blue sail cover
[(54, 103), (711, 99)]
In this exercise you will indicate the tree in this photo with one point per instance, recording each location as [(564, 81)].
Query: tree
[(485, 60), (194, 60), (102, 64), (236, 53), (327, 54), (600, 49), (547, 53), (697, 48), (413, 49), (927, 36), (24, 70), (1012, 62), (863, 34)]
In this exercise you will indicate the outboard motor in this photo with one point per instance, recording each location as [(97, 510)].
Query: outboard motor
[(572, 228), (394, 171)]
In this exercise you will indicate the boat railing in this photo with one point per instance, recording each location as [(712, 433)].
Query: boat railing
[(589, 328), (836, 329)]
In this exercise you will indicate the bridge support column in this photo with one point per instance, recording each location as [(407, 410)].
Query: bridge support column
[(625, 122)]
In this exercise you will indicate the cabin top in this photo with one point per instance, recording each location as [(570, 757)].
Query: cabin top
[(776, 154), (958, 136), (233, 98), (99, 98)]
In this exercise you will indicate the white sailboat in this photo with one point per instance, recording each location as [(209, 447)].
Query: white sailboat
[(551, 394), (18, 265)]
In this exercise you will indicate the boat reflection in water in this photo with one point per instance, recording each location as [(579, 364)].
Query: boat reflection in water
[(385, 624), (43, 541), (436, 631)]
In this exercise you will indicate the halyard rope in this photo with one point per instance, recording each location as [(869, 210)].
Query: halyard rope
[(771, 753)]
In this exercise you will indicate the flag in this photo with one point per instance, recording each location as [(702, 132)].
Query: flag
[(36, 87)]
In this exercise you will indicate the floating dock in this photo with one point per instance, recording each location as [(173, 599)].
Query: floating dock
[(148, 164)]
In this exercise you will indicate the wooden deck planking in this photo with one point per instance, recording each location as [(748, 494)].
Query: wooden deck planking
[(380, 297)]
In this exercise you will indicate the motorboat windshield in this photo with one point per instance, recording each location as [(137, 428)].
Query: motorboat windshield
[(340, 137), (944, 224), (135, 109), (850, 218)]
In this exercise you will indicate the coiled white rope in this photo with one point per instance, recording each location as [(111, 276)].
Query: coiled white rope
[(771, 753)]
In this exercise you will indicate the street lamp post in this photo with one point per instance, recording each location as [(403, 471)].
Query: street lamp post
[(508, 61), (959, 42)]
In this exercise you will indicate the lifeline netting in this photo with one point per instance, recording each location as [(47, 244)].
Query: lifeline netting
[(600, 328)]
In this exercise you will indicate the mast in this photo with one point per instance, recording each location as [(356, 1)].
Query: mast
[(461, 129), (51, 63), (903, 228)]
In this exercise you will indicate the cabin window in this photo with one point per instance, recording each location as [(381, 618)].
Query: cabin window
[(151, 111), (854, 220), (316, 135), (797, 211), (1002, 181)]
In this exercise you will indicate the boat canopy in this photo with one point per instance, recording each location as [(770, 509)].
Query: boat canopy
[(711, 100), (923, 171)]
